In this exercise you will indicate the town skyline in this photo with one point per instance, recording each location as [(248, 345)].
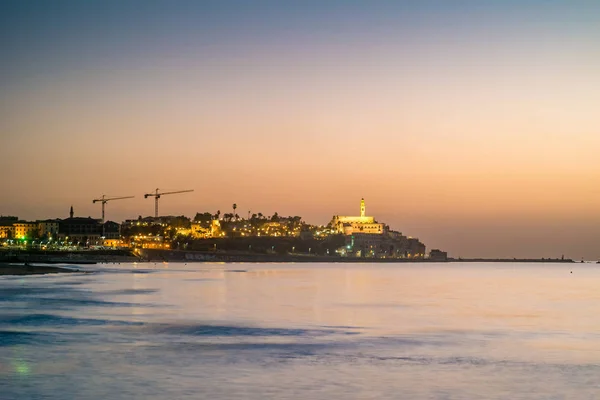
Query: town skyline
[(470, 125), (469, 250)]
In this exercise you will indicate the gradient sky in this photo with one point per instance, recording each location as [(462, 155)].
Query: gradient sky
[(473, 125)]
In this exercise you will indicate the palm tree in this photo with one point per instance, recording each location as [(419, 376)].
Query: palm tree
[(234, 207)]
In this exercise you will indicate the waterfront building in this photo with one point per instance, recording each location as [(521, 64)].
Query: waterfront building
[(205, 229), (83, 230), (6, 220), (438, 255), (348, 225), (111, 230), (365, 237), (383, 246), (48, 228), (414, 248), (7, 231), (112, 235), (25, 229)]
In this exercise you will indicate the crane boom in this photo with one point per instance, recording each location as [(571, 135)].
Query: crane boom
[(179, 191), (105, 200), (157, 195)]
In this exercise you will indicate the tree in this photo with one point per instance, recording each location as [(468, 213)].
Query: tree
[(203, 217), (234, 208)]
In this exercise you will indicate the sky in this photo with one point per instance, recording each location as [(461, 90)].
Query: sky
[(472, 125)]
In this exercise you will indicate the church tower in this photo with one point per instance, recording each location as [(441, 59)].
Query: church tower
[(71, 212), (362, 207)]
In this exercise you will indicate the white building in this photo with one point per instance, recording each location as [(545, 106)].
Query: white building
[(348, 225)]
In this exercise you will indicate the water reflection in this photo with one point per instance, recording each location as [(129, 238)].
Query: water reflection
[(302, 331)]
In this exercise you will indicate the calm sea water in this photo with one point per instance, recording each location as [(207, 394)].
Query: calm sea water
[(303, 331)]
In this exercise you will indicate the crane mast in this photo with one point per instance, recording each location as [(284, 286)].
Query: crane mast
[(105, 200), (157, 195)]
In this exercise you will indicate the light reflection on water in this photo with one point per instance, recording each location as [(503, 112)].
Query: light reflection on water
[(254, 331)]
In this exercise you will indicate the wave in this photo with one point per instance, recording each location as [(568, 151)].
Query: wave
[(35, 320), (129, 291), (225, 330)]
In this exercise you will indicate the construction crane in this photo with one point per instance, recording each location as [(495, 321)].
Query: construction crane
[(157, 195), (105, 200)]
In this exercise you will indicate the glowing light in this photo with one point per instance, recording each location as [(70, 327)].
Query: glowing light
[(22, 368)]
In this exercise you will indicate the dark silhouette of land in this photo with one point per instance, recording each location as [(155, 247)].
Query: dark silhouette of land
[(27, 269)]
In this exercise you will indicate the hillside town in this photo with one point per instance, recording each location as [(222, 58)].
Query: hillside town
[(359, 236)]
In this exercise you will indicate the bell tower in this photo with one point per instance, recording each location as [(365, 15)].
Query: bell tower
[(71, 212), (362, 207)]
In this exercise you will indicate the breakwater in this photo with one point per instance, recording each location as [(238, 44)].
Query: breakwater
[(67, 257), (156, 255)]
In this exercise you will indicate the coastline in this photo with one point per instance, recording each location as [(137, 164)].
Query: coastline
[(155, 255), (12, 269), (26, 263)]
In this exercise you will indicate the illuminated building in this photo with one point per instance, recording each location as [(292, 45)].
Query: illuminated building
[(365, 237), (48, 228), (24, 229), (205, 229), (7, 231), (111, 230), (348, 225)]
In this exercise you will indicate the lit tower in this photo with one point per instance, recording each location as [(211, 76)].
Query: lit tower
[(362, 207)]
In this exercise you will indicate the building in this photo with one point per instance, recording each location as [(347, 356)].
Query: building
[(414, 249), (81, 230), (365, 237), (25, 229), (7, 231), (48, 228), (8, 220), (205, 229), (438, 255), (111, 230), (387, 245), (111, 235), (348, 225)]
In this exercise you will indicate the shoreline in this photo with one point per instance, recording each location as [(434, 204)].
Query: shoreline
[(185, 256), (20, 269), (152, 255)]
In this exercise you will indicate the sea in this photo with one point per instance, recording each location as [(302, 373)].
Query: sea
[(303, 331)]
